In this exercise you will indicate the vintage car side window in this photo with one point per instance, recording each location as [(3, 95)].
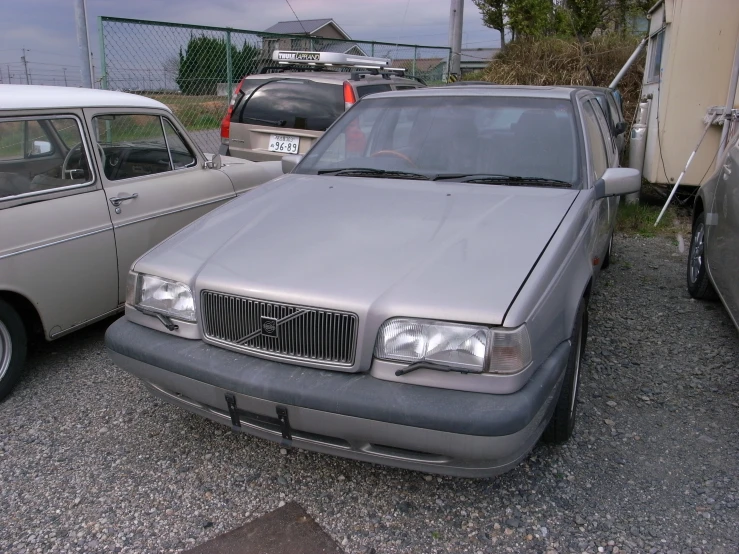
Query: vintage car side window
[(133, 145), (35, 159), (182, 156), (595, 140)]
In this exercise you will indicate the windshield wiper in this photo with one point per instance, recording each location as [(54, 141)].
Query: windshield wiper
[(279, 123), (494, 178), (370, 172)]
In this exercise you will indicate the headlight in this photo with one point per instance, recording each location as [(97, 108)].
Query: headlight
[(159, 295), (472, 347)]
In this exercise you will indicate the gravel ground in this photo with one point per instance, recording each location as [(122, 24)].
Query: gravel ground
[(89, 462)]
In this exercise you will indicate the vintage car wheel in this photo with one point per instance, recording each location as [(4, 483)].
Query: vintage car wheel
[(699, 285), (607, 259), (12, 348), (562, 424)]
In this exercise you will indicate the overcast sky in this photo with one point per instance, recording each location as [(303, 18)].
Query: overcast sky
[(46, 27)]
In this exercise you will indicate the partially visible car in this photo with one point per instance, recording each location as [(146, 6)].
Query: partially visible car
[(286, 108), (468, 83), (612, 104), (419, 299), (713, 258), (89, 181)]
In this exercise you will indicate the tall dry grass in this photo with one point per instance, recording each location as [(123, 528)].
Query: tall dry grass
[(563, 61)]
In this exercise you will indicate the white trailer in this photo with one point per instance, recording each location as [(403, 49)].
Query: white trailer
[(691, 67)]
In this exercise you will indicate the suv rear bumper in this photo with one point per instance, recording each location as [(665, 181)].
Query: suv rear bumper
[(351, 415)]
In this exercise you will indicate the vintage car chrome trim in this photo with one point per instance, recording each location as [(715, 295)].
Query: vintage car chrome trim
[(87, 322), (148, 217), (32, 248)]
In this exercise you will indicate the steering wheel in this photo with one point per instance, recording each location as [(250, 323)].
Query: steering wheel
[(67, 173), (394, 153), (77, 148)]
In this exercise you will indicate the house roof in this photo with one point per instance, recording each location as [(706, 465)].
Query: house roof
[(481, 55), (342, 47), (303, 27)]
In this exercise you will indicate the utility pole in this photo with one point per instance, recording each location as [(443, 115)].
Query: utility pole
[(80, 16), (64, 69), (10, 77), (455, 38), (25, 65)]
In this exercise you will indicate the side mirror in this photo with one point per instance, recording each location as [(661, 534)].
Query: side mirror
[(290, 161), (214, 163), (41, 147), (617, 181), (620, 128)]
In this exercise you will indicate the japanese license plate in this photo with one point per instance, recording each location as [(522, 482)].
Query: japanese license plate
[(284, 143)]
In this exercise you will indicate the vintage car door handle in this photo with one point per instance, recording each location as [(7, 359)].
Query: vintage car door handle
[(117, 200)]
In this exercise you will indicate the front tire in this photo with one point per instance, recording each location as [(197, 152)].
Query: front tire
[(13, 345), (699, 285), (562, 424)]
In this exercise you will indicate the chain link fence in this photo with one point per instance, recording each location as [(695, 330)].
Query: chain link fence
[(193, 69)]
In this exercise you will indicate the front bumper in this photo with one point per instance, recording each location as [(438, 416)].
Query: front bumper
[(347, 414)]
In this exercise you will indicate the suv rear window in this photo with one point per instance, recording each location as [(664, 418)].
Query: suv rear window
[(364, 90), (292, 104)]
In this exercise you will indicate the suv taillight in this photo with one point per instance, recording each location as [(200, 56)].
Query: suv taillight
[(226, 121), (349, 96)]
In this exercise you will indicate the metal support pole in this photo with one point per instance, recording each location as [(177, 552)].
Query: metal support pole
[(628, 63), (25, 66), (455, 36), (415, 56), (103, 65), (229, 68), (80, 16)]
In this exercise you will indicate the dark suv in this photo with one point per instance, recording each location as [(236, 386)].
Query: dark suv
[(273, 114)]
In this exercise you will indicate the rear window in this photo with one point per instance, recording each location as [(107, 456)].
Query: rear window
[(292, 104), (371, 89)]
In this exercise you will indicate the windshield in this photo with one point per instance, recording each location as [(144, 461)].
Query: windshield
[(462, 138)]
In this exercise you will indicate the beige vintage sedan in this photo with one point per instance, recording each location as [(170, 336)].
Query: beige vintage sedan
[(89, 181)]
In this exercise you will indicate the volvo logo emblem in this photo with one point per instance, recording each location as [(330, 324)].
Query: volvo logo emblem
[(269, 326)]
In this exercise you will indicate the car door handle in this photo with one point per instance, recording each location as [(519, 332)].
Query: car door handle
[(118, 200), (727, 171)]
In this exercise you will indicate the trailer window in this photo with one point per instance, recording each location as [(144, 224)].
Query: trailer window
[(656, 43)]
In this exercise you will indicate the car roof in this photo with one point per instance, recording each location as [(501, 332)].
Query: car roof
[(483, 90), (331, 77), (21, 97), (601, 90)]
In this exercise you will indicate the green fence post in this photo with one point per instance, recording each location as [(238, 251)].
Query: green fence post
[(415, 55), (229, 67), (373, 49), (103, 66)]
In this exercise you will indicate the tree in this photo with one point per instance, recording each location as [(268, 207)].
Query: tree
[(586, 15), (535, 18), (493, 16), (529, 18), (203, 64)]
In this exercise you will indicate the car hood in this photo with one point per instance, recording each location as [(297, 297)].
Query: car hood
[(389, 247)]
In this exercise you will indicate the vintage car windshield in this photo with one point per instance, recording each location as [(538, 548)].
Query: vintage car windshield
[(463, 138)]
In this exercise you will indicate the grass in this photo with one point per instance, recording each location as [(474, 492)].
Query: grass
[(195, 112), (638, 219)]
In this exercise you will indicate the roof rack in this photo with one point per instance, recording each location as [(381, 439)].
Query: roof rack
[(329, 59)]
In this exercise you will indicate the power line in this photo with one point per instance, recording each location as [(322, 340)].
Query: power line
[(296, 17)]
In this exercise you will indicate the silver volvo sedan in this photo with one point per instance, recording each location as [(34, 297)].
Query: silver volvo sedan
[(414, 293)]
